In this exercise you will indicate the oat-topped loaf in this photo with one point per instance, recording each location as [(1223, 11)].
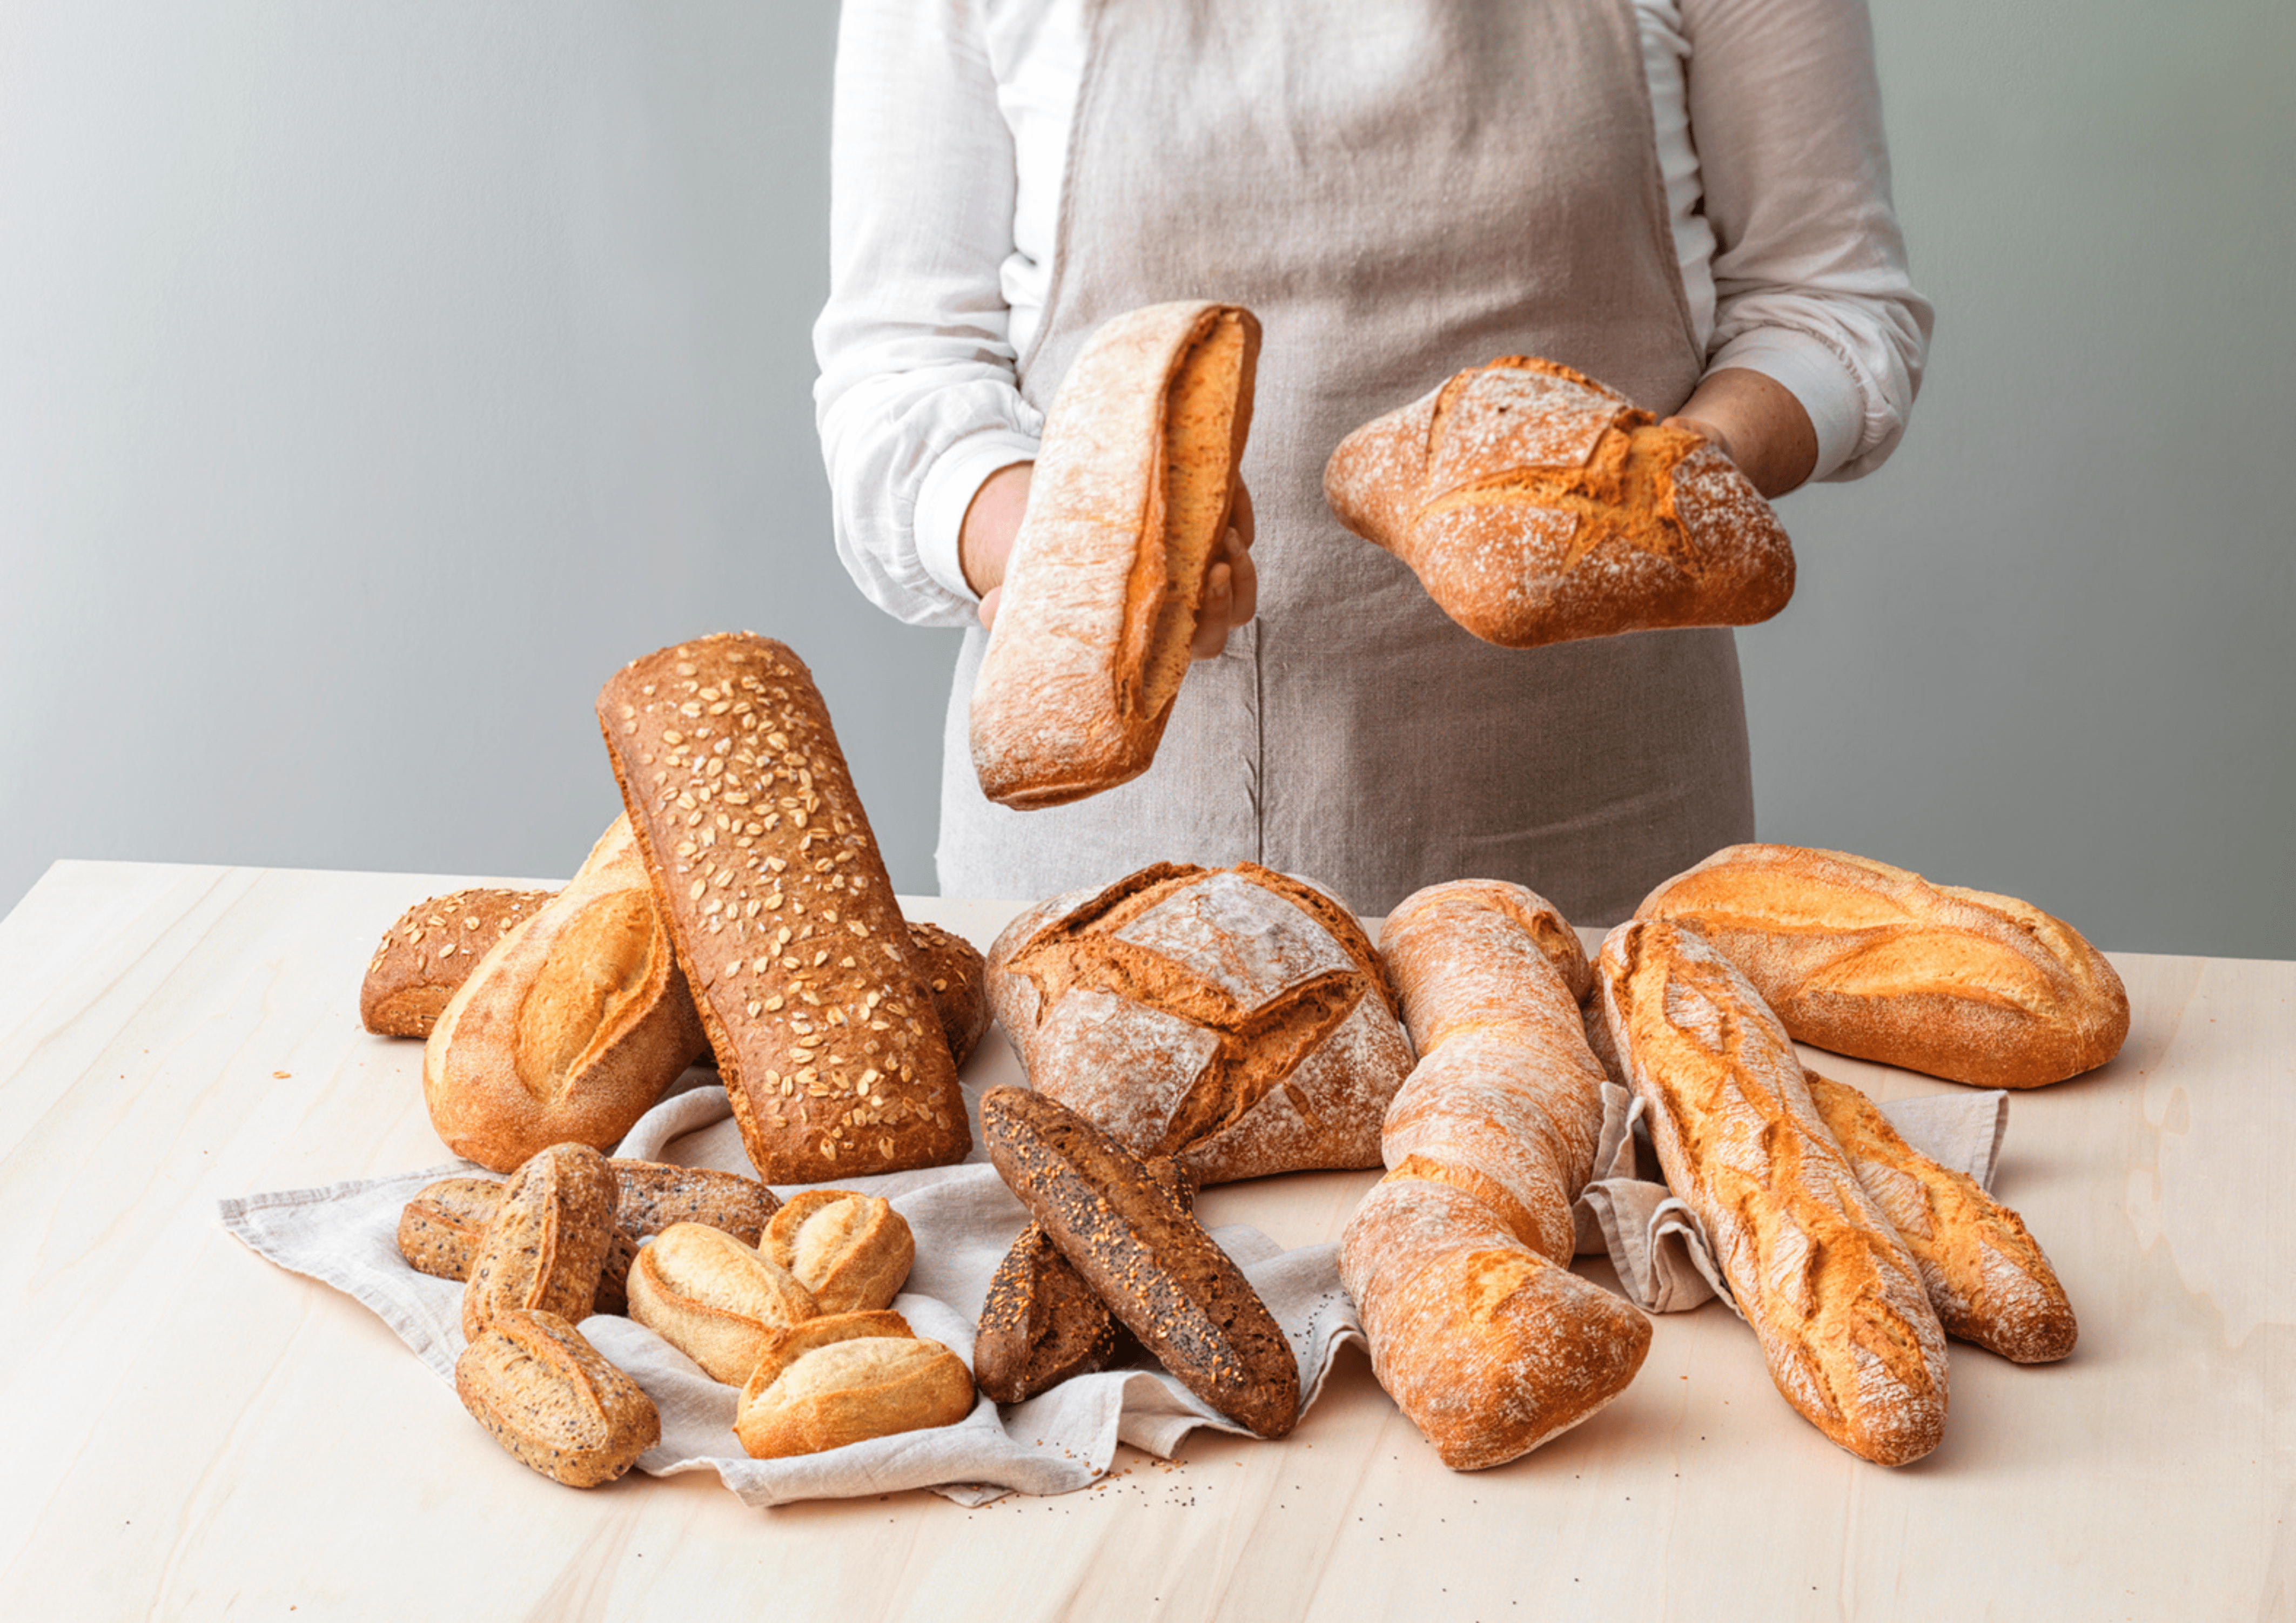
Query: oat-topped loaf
[(1237, 1019), (430, 951), (1536, 505), (800, 964)]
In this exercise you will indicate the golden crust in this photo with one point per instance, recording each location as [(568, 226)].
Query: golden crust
[(852, 1252), (430, 951), (847, 1378), (553, 1402), (713, 1298), (548, 1241)]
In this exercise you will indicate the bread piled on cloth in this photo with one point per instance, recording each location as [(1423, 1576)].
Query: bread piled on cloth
[(1814, 1266), (1459, 1260), (1235, 1019), (1536, 505), (1128, 503), (784, 923), (1864, 959)]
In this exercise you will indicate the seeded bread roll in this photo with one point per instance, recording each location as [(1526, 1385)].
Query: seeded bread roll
[(957, 976), (1128, 501), (801, 966), (553, 1402), (548, 1241), (440, 1228), (430, 951), (1986, 1275), (1146, 1257), (572, 1025), (1459, 1260), (1830, 1291), (1236, 1017), (1874, 961), (654, 1195), (846, 1378), (713, 1298), (1537, 506)]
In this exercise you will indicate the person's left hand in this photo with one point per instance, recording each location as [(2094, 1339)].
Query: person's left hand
[(1755, 421)]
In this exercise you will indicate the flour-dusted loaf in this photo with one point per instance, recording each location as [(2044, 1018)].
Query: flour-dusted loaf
[(1536, 505), (548, 1240), (432, 950), (1832, 1294), (552, 1401), (1235, 1018), (801, 966), (1127, 506), (1459, 1258), (846, 1378), (1987, 1277), (571, 1027), (1145, 1255), (1874, 961)]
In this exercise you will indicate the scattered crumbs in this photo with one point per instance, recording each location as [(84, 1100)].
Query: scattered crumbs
[(281, 1076)]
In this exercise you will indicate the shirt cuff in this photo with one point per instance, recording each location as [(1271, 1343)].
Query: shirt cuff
[(947, 493), (1810, 370)]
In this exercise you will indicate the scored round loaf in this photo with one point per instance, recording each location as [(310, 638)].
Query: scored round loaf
[(572, 1027), (1986, 1274), (1871, 961), (852, 1252), (1128, 503), (1236, 1017), (552, 1401), (548, 1241), (1815, 1268), (846, 1378), (715, 1300), (430, 951), (801, 966), (1145, 1255), (1537, 506)]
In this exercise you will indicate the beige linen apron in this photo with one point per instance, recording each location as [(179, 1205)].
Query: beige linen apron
[(1398, 189)]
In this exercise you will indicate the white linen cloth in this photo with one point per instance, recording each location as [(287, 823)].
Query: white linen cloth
[(964, 1220), (949, 150)]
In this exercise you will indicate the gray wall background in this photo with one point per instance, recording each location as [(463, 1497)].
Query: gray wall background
[(374, 380)]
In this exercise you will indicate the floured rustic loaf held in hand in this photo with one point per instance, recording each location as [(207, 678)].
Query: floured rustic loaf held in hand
[(548, 1241), (800, 963), (1815, 1267), (846, 1378), (1459, 1260), (432, 950), (1145, 1255), (552, 1401), (1874, 961), (1986, 1275), (1235, 1018), (571, 1027), (1128, 504), (1536, 505)]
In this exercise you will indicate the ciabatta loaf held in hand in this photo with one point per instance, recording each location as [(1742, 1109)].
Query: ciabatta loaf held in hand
[(800, 964), (1128, 503), (1874, 961), (1538, 506), (1459, 1260), (1237, 1019), (1832, 1294)]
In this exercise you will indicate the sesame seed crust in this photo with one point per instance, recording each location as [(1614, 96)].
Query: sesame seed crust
[(783, 919)]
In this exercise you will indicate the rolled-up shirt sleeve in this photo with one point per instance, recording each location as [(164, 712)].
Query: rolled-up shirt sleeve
[(917, 402), (1810, 279)]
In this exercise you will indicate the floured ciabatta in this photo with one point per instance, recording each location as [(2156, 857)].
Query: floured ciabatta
[(1538, 506), (1236, 1019)]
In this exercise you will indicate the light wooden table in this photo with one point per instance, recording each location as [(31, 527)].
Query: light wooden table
[(189, 1431)]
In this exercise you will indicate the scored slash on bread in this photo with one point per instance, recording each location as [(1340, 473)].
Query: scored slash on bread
[(552, 1401), (1538, 506), (1128, 503)]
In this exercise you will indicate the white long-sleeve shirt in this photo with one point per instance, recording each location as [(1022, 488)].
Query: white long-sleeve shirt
[(948, 147)]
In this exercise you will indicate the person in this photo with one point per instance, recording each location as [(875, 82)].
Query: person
[(1687, 200)]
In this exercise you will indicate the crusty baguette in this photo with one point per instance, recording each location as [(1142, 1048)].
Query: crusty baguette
[(1537, 506), (1127, 505), (571, 1027), (1871, 961), (430, 951), (1459, 1260), (552, 1400), (548, 1240), (846, 1378), (1832, 1294), (1146, 1257), (1986, 1275), (800, 964)]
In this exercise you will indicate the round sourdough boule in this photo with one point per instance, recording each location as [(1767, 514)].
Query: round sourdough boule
[(851, 1251), (548, 1243), (713, 1298), (552, 1401), (847, 1378), (432, 950)]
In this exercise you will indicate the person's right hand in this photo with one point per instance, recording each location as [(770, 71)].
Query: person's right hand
[(985, 543)]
